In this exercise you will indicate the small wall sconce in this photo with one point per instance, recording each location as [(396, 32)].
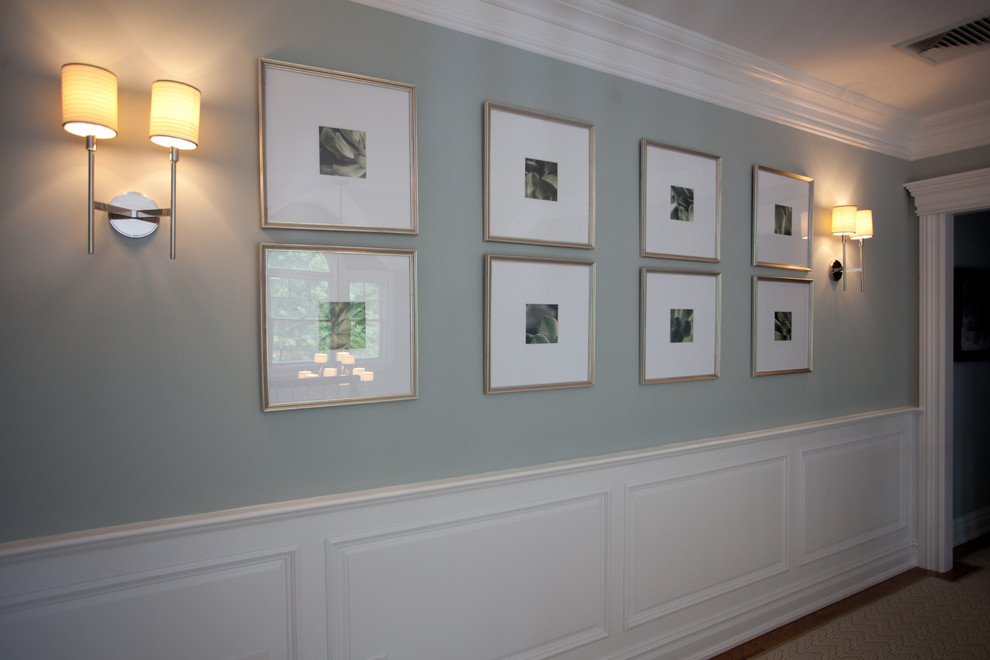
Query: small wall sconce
[(854, 224), (89, 109)]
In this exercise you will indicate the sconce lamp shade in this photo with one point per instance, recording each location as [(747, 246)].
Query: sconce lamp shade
[(89, 101), (864, 225), (843, 220), (174, 114)]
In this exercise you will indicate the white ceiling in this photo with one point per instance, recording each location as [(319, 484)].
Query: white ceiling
[(824, 66), (848, 43)]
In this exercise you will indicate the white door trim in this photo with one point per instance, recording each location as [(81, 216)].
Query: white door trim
[(937, 201)]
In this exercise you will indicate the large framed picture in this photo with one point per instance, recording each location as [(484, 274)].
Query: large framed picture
[(338, 325), (539, 178), (338, 150), (681, 203), (539, 323), (971, 309), (782, 219), (782, 325), (679, 325)]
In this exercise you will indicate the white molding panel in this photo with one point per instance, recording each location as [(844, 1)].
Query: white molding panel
[(520, 583), (869, 480), (678, 552), (233, 607), (676, 555)]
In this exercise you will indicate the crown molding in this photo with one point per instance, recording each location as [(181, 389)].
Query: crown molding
[(953, 130), (607, 37)]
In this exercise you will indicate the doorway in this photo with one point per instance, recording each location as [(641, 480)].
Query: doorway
[(937, 201)]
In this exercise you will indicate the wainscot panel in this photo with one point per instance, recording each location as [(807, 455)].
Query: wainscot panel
[(678, 552)]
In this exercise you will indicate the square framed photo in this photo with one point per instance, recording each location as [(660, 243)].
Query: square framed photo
[(782, 325), (539, 323), (338, 325), (680, 320), (338, 150), (971, 309), (680, 203), (783, 206), (539, 178)]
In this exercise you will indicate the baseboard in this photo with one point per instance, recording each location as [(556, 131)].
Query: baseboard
[(971, 526)]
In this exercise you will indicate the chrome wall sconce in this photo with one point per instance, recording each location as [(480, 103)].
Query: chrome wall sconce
[(854, 224), (89, 109)]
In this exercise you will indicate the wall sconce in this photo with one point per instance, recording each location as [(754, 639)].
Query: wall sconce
[(89, 109), (854, 224)]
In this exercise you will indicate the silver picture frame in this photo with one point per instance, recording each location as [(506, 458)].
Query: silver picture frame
[(783, 223), (539, 178), (680, 325), (539, 323), (338, 150), (783, 323), (680, 203), (338, 325)]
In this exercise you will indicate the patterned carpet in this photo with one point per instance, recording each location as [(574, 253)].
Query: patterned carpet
[(931, 619)]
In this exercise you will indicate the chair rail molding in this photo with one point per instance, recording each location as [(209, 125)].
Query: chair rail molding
[(937, 200)]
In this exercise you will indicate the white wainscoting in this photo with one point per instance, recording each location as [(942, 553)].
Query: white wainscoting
[(677, 552)]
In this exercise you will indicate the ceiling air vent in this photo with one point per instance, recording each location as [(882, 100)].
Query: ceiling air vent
[(951, 41)]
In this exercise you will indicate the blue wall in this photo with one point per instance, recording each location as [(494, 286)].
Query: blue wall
[(130, 384)]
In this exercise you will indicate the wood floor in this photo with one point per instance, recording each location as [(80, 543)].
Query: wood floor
[(801, 626)]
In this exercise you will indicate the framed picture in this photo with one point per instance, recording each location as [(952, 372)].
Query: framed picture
[(782, 323), (338, 325), (680, 203), (680, 314), (971, 309), (539, 178), (539, 323), (338, 150), (782, 219)]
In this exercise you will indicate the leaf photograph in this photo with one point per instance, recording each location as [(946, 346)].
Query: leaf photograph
[(541, 324), (783, 327), (342, 326), (682, 204), (782, 220), (541, 179), (343, 152), (681, 326)]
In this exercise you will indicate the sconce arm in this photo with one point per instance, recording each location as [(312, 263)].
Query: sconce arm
[(836, 268), (152, 215), (122, 217)]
